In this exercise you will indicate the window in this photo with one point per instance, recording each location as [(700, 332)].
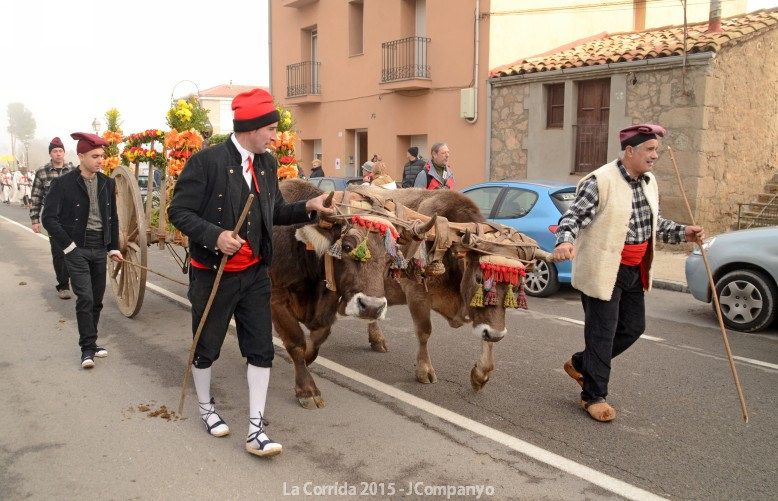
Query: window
[(327, 185), (555, 106), (516, 203), (484, 198), (356, 13), (563, 200)]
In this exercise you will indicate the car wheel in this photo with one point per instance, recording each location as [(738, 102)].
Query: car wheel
[(542, 280), (747, 300)]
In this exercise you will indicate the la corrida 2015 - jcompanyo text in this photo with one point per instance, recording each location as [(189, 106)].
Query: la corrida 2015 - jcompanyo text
[(386, 489)]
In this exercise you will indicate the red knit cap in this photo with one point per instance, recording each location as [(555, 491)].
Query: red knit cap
[(56, 143), (253, 110), (88, 142), (640, 133)]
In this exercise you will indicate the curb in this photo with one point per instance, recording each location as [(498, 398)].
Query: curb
[(670, 285)]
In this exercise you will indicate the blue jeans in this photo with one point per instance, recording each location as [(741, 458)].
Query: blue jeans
[(87, 268)]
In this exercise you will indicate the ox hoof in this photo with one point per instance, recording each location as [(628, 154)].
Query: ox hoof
[(477, 381), (379, 346), (311, 403), (426, 377)]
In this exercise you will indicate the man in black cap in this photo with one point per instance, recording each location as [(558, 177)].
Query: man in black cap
[(609, 232), (207, 201), (412, 168), (40, 187), (80, 215)]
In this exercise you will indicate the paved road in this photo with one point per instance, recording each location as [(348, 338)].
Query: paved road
[(678, 433)]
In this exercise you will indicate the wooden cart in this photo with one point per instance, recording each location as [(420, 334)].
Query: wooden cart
[(136, 234)]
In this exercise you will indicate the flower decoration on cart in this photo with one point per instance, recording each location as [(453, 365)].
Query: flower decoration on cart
[(114, 136), (135, 150), (180, 146), (284, 144)]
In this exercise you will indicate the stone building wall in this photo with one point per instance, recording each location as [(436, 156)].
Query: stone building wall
[(739, 136), (668, 98), (510, 123)]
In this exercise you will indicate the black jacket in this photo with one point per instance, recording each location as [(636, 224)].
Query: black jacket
[(66, 210), (317, 172), (411, 170), (209, 197)]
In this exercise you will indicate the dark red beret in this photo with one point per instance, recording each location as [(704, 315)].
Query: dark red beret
[(636, 134), (56, 143), (253, 110), (88, 142)]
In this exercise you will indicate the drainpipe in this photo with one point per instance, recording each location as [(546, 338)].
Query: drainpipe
[(270, 46), (488, 161), (476, 59), (714, 17)]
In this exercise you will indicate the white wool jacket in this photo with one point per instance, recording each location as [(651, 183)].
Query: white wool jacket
[(599, 245)]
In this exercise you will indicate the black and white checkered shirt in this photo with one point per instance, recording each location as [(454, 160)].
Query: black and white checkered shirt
[(582, 211), (40, 187)]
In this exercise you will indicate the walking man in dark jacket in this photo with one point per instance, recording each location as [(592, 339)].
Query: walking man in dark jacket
[(208, 199), (40, 188), (412, 168), (80, 217)]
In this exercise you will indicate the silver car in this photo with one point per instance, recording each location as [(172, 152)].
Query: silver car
[(744, 264)]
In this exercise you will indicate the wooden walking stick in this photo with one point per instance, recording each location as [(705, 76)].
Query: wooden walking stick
[(715, 298), (208, 305)]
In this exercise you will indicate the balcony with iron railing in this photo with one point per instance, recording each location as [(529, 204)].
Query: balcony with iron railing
[(302, 82), (404, 64)]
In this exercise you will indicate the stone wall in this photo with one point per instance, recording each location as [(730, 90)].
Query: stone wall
[(668, 98), (739, 136), (510, 122)]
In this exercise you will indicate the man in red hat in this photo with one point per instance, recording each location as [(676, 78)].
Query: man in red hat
[(208, 199), (40, 187), (609, 232), (80, 215)]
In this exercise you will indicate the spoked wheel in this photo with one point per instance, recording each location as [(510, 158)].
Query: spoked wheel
[(127, 281)]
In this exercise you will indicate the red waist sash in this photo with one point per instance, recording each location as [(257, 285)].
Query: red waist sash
[(238, 262), (632, 255)]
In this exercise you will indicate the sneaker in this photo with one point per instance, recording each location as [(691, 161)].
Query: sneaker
[(64, 293), (87, 360), (101, 352), (258, 442)]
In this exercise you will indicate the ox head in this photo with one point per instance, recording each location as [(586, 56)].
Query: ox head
[(356, 252)]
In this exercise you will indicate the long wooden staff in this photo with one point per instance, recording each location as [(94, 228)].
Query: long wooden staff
[(204, 317), (715, 298)]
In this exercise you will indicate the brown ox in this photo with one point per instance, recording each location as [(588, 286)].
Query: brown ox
[(448, 294), (299, 291)]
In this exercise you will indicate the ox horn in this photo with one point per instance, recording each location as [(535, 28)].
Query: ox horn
[(328, 200), (467, 238), (421, 229), (543, 255)]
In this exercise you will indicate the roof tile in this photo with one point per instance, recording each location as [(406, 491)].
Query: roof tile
[(635, 46)]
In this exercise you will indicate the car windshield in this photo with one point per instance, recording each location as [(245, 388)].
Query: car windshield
[(563, 199)]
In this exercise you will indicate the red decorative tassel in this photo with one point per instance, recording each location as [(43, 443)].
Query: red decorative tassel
[(491, 297), (521, 301)]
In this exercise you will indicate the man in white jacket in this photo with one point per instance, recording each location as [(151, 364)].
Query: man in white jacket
[(609, 232)]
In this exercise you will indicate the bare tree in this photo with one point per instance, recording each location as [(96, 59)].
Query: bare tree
[(21, 126)]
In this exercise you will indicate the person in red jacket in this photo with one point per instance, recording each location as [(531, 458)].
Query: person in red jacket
[(437, 173)]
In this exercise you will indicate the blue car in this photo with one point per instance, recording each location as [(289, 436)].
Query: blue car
[(334, 183), (532, 208)]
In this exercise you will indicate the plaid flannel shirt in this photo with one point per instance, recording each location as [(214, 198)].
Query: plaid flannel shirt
[(40, 187), (583, 209)]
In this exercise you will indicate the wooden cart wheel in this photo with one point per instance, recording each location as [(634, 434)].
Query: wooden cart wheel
[(129, 282)]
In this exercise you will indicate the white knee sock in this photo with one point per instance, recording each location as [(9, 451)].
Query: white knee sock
[(259, 380), (202, 384)]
